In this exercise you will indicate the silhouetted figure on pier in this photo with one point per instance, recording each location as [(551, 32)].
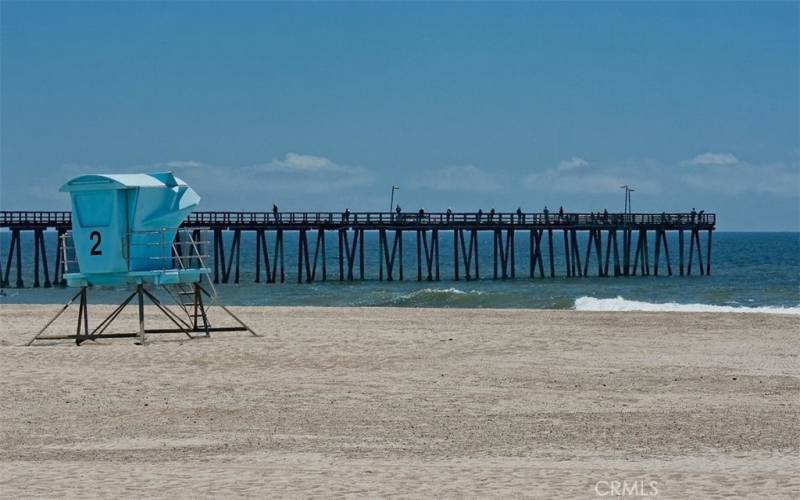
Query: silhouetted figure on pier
[(693, 215), (275, 212), (561, 213), (346, 214), (420, 214), (480, 214), (546, 215), (449, 214), (491, 215), (520, 216), (397, 211)]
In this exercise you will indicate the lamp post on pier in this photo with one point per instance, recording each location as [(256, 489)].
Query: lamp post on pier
[(391, 200), (628, 191)]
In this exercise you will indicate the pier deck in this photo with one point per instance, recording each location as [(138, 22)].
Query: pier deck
[(618, 243)]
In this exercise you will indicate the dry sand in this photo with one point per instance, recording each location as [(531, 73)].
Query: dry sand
[(413, 402)]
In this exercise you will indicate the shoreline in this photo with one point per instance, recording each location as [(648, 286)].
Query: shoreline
[(791, 311), (372, 401)]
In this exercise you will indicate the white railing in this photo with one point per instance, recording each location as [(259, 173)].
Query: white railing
[(182, 252)]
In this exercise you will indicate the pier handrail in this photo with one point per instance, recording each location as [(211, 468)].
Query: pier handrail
[(50, 218), (63, 219), (449, 218)]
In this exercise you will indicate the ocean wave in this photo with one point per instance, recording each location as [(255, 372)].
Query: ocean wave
[(621, 304), (439, 291), (437, 297)]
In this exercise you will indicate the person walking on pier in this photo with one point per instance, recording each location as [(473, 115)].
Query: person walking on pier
[(449, 213), (275, 212), (397, 210), (546, 215), (420, 215), (346, 214), (693, 215), (520, 216), (561, 213), (480, 215), (491, 215)]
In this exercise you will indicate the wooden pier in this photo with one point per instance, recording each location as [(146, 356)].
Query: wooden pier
[(593, 244)]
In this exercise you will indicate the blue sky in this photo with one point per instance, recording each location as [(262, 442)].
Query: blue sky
[(325, 106)]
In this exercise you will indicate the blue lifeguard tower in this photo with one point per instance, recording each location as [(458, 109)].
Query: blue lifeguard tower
[(126, 232)]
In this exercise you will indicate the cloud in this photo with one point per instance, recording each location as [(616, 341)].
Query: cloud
[(777, 179), (298, 173), (723, 173), (178, 164), (715, 159), (294, 164), (574, 176), (464, 178), (300, 179), (572, 164), (720, 174)]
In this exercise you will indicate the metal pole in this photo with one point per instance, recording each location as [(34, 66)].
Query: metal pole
[(628, 191), (140, 293), (60, 312), (391, 200), (630, 208), (625, 187)]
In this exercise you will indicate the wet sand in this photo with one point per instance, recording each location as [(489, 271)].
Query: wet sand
[(416, 402)]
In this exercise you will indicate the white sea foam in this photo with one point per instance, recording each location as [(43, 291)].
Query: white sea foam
[(442, 290), (620, 304), (439, 291)]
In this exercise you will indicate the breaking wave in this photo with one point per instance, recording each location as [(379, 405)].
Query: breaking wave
[(438, 297), (621, 304)]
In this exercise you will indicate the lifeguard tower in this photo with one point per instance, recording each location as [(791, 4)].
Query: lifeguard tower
[(126, 232)]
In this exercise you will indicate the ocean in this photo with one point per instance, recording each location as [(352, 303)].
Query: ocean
[(751, 272)]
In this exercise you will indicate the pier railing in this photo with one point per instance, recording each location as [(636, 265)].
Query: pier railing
[(446, 219), (63, 220), (28, 218)]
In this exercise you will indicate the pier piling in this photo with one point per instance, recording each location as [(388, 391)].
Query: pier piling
[(628, 257)]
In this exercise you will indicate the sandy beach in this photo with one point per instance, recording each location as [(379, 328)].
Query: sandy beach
[(414, 402)]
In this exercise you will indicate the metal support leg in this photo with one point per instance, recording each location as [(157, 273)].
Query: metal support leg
[(54, 318), (140, 294)]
